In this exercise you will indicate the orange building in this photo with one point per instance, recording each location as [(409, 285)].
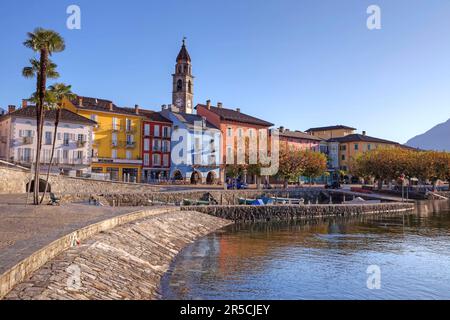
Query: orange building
[(232, 124), (331, 132)]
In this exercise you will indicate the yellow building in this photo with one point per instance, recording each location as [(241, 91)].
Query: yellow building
[(331, 132), (350, 146), (116, 149)]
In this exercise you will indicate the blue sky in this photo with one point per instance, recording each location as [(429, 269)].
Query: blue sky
[(296, 63)]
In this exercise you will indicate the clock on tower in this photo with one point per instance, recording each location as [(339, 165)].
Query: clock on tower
[(183, 82)]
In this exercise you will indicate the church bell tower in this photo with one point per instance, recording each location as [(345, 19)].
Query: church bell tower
[(183, 82)]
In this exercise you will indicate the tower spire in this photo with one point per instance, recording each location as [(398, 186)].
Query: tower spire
[(183, 81)]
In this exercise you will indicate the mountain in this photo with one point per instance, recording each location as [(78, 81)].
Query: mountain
[(438, 138)]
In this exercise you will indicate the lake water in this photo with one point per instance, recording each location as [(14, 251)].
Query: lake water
[(319, 259)]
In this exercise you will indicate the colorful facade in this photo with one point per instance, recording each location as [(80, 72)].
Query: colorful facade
[(298, 140), (331, 132), (156, 145), (116, 149), (232, 124), (72, 146)]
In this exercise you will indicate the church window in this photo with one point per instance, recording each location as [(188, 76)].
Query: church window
[(179, 85)]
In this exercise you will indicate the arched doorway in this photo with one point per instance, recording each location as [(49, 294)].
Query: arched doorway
[(177, 176), (211, 178), (41, 186), (196, 178)]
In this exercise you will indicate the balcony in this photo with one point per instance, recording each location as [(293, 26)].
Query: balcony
[(131, 130), (130, 145), (116, 128), (115, 144), (81, 144), (28, 140)]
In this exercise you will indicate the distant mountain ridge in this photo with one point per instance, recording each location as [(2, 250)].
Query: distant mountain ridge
[(437, 138)]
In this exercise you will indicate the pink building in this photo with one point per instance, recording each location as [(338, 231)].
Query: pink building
[(299, 140)]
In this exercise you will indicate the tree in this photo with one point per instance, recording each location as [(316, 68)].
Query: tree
[(58, 92), (291, 165), (45, 42), (315, 164)]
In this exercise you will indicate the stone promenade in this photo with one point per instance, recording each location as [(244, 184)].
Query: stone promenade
[(26, 229), (126, 262)]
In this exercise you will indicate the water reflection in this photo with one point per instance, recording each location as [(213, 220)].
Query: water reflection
[(318, 259)]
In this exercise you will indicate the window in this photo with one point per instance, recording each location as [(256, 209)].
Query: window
[(114, 154), (229, 154), (156, 129), (156, 145), (356, 146), (369, 147), (229, 132), (179, 85), (190, 86), (130, 139), (114, 139), (166, 132), (166, 160), (156, 160), (146, 144), (94, 117), (250, 133), (26, 133), (81, 138), (66, 139), (343, 148), (146, 160), (115, 124), (79, 155), (129, 124), (129, 155), (65, 155), (166, 146), (240, 132), (343, 157), (147, 129), (48, 138)]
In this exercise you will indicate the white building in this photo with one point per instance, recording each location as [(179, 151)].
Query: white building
[(73, 142)]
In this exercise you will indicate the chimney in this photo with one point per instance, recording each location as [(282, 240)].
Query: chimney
[(80, 101), (238, 110), (11, 108), (24, 103), (136, 109), (281, 129), (111, 106), (208, 104), (163, 107), (219, 105), (364, 133)]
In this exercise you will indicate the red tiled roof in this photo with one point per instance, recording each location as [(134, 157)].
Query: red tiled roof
[(330, 128), (237, 116), (66, 115), (298, 135), (362, 138), (102, 105), (153, 116)]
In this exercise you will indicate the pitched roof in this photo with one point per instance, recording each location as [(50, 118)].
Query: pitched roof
[(153, 116), (184, 54), (190, 119), (298, 135), (237, 116), (66, 115), (362, 138), (337, 127), (102, 105)]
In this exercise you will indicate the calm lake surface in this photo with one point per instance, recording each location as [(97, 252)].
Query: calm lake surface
[(319, 259)]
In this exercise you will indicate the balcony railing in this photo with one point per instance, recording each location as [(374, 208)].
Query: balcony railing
[(28, 140), (81, 144), (130, 145)]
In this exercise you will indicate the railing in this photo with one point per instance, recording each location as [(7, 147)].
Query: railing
[(28, 140), (81, 144), (130, 145)]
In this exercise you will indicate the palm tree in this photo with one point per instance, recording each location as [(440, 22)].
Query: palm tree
[(57, 93), (45, 42), (33, 69)]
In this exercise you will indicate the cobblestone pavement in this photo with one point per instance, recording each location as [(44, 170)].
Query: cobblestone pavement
[(127, 262), (25, 229)]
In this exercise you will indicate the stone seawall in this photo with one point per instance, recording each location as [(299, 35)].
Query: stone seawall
[(126, 262), (288, 212), (13, 181), (219, 197)]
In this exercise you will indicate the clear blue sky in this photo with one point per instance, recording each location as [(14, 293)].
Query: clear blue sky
[(295, 63)]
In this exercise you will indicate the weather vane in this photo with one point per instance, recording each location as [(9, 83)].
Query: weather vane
[(184, 40)]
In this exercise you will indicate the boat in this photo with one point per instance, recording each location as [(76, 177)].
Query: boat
[(251, 202)]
